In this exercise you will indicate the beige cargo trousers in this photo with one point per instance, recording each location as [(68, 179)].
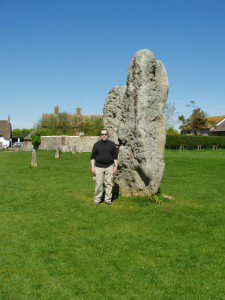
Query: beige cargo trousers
[(104, 178)]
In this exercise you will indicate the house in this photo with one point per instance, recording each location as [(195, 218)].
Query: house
[(48, 117), (28, 137), (5, 132), (217, 126), (27, 144)]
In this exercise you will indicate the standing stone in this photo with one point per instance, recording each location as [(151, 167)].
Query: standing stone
[(74, 150), (57, 153), (112, 112), (134, 117), (34, 159)]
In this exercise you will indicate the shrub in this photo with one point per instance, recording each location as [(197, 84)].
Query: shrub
[(36, 137), (193, 141), (21, 133), (172, 131), (91, 126)]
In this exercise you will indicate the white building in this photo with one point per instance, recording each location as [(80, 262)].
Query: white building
[(4, 143), (5, 132)]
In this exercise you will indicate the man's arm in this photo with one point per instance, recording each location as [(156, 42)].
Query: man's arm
[(115, 169), (115, 162), (93, 155), (115, 156), (93, 166)]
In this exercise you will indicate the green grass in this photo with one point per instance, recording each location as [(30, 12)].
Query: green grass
[(56, 245)]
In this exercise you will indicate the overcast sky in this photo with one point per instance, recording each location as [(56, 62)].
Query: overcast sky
[(72, 52)]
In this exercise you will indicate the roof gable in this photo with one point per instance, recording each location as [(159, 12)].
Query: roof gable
[(5, 129), (215, 119), (220, 126)]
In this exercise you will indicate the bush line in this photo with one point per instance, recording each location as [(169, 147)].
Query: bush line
[(194, 142)]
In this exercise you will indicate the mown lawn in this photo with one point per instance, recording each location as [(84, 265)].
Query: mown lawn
[(56, 245)]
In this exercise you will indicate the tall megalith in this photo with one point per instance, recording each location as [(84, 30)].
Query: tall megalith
[(112, 112), (133, 115)]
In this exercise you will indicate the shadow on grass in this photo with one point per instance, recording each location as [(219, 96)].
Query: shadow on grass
[(143, 201)]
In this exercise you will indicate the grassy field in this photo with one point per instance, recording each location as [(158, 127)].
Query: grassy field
[(56, 245)]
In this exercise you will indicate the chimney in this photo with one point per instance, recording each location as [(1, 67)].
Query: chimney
[(78, 111), (9, 119), (56, 110)]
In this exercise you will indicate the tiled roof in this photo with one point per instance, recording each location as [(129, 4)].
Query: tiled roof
[(215, 119), (46, 117), (28, 137), (221, 126)]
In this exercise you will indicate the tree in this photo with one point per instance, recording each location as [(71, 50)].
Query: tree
[(197, 120), (171, 115), (172, 131), (25, 132), (36, 137), (16, 133), (21, 133), (91, 126), (65, 124)]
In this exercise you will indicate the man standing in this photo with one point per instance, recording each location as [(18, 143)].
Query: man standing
[(104, 165)]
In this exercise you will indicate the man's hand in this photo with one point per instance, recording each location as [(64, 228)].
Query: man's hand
[(93, 170), (115, 170)]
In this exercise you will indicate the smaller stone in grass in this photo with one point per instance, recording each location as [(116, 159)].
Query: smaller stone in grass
[(57, 153), (34, 159), (167, 196)]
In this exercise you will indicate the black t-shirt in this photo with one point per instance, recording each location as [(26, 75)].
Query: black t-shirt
[(104, 153)]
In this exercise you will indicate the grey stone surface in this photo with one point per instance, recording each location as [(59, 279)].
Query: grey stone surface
[(74, 149), (112, 112), (33, 159), (68, 143), (27, 147), (134, 117), (57, 153)]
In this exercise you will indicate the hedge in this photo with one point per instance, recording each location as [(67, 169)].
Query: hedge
[(194, 142)]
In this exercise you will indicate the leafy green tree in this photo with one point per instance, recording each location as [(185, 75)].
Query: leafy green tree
[(66, 124), (16, 133), (171, 116), (63, 123), (172, 131), (21, 133), (91, 126), (197, 120), (25, 132), (36, 137)]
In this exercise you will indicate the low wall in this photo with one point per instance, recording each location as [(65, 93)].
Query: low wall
[(27, 146), (68, 143)]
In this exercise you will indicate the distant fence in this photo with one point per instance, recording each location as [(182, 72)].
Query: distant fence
[(194, 142)]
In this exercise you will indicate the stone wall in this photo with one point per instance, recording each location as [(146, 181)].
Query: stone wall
[(27, 146), (68, 143)]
